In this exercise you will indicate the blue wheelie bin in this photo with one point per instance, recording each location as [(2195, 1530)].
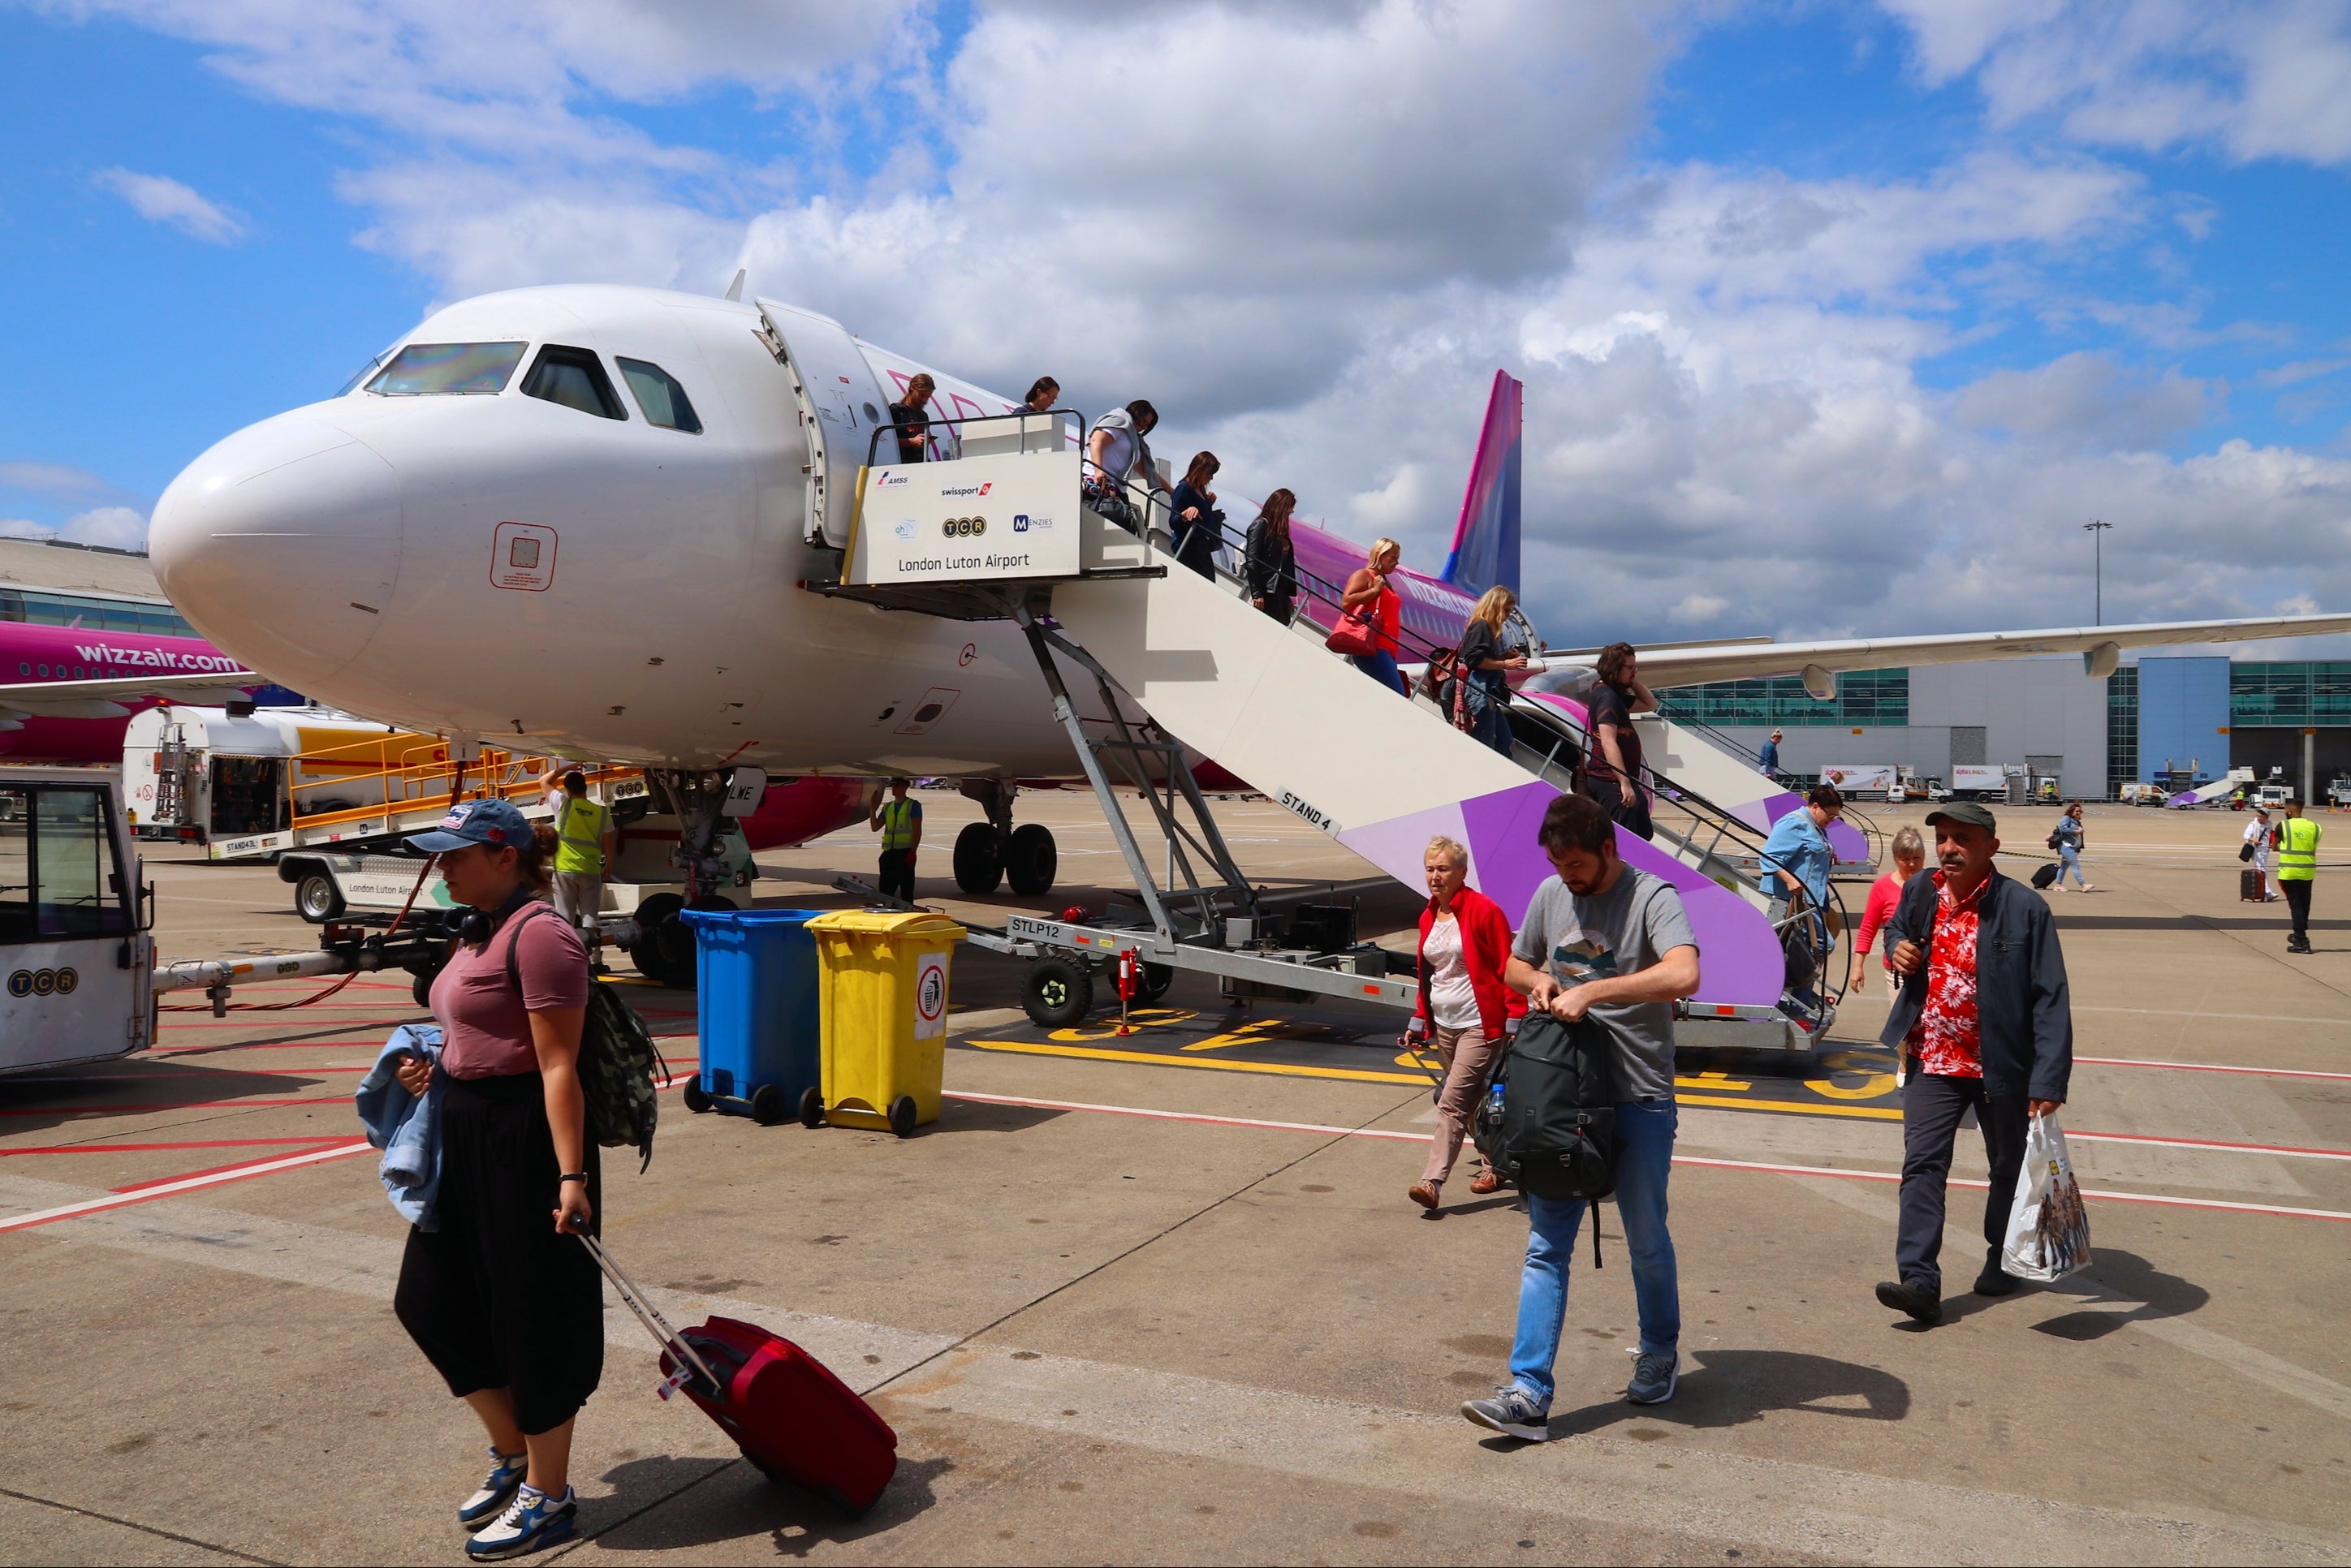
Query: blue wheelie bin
[(761, 1036)]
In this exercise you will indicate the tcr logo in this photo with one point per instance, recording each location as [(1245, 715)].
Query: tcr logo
[(43, 982)]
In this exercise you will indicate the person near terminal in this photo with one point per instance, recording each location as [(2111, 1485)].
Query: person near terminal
[(1488, 653), (1986, 1018), (585, 844), (900, 823), (1369, 594), (910, 423), (1466, 1007), (2295, 843), (1603, 941), (1268, 559), (2257, 849), (1769, 756), (1909, 855), (1199, 524), (501, 1297), (2067, 839), (1611, 773)]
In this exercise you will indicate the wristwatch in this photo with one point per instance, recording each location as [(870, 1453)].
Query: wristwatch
[(571, 1175)]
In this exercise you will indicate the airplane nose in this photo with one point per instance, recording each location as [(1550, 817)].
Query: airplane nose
[(281, 544)]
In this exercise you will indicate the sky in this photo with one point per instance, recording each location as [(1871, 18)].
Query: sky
[(1836, 318)]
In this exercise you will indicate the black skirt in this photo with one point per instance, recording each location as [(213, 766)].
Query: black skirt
[(495, 1298)]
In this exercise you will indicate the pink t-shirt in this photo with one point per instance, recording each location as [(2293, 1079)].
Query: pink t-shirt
[(485, 1028), (1885, 896)]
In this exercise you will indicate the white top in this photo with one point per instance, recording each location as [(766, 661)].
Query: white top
[(1452, 1000), (1118, 453)]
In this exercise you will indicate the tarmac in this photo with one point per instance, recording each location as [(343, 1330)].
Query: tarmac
[(1160, 1297)]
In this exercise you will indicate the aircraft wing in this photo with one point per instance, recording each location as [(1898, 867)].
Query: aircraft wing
[(104, 698), (2101, 647)]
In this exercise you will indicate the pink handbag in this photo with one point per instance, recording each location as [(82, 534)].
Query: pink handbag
[(1354, 636)]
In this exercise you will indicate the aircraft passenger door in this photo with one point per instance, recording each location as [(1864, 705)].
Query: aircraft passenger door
[(841, 406)]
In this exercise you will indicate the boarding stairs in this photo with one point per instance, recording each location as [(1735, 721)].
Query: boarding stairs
[(1376, 770)]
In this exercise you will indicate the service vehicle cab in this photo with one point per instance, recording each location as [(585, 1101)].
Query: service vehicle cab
[(74, 946)]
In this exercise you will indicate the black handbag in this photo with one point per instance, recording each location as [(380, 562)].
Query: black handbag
[(2245, 850)]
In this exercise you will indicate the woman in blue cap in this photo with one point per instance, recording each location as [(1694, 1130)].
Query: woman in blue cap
[(507, 1307)]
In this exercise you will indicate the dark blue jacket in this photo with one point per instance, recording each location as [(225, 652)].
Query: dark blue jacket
[(2023, 1010)]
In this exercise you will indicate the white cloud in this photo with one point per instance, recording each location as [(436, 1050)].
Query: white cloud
[(58, 482), (2086, 399), (161, 200), (116, 525), (2258, 79), (23, 528)]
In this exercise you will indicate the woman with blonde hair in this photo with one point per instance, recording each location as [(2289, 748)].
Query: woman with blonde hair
[(1368, 595), (1488, 655), (908, 420), (1465, 1007)]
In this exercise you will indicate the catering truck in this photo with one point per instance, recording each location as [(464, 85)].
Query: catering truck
[(207, 775)]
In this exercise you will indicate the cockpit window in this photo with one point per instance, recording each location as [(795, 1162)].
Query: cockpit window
[(664, 402), (574, 378), (424, 369)]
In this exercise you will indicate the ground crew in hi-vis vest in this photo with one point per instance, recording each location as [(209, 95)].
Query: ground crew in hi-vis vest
[(583, 840), (2296, 861), (901, 822)]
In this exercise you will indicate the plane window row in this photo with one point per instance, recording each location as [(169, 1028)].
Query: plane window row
[(91, 614), (571, 377)]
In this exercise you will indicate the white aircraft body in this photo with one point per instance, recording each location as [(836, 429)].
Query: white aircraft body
[(581, 520)]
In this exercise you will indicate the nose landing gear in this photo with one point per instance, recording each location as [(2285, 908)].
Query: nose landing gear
[(985, 853)]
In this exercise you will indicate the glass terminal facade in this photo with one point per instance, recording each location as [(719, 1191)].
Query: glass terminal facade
[(1866, 698)]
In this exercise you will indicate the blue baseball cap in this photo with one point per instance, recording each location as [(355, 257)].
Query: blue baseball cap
[(492, 822)]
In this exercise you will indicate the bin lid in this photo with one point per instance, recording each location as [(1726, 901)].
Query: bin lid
[(746, 917), (890, 923)]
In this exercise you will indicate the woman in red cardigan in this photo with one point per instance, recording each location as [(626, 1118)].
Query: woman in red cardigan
[(1465, 943)]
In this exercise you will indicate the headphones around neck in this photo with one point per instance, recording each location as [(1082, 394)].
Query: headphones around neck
[(475, 927)]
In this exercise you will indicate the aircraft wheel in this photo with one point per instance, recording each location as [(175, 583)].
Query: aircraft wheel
[(979, 863), (315, 899), (421, 992), (653, 958), (1057, 992), (1031, 858)]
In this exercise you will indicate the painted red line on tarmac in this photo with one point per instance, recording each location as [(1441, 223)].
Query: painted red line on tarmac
[(138, 1108), (409, 1017), (1678, 1160), (150, 1148), (181, 1184), (2290, 1150), (2209, 1067)]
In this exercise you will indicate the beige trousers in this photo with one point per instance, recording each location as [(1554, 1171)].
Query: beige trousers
[(1466, 1054), (579, 895)]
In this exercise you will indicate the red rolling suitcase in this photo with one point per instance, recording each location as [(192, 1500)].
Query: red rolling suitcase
[(790, 1416)]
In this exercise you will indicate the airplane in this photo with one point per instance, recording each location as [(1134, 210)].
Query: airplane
[(599, 522)]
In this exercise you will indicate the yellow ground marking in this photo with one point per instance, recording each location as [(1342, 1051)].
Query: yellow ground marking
[(1361, 1075), (1140, 1018), (1256, 1033), (1155, 1059), (1713, 1081), (1874, 1083)]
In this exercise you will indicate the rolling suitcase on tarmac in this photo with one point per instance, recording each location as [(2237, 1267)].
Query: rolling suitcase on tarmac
[(793, 1419), (2044, 875), (2249, 887)]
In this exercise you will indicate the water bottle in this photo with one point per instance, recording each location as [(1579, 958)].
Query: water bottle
[(1494, 1105)]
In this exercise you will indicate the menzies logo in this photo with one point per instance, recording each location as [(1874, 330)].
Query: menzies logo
[(963, 528), (1313, 814)]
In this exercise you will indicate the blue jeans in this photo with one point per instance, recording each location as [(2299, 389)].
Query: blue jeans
[(1645, 1159), (1381, 666), (2069, 859)]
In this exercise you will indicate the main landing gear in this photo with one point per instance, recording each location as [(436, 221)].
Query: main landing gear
[(987, 853)]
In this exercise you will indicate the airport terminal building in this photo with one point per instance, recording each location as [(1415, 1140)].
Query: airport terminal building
[(2198, 714)]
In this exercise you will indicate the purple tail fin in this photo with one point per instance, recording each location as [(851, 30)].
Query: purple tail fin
[(1486, 540)]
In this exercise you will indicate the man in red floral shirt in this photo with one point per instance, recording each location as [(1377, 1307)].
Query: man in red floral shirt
[(1985, 1012)]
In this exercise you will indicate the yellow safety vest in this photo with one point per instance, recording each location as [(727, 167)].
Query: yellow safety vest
[(2297, 854), (579, 837), (898, 820)]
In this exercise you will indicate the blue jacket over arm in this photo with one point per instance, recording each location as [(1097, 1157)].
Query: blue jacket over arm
[(407, 1129)]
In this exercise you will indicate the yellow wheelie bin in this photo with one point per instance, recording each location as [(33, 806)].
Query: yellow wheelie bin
[(881, 989)]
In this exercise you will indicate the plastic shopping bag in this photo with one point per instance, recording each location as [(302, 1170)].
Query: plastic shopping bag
[(2048, 1231)]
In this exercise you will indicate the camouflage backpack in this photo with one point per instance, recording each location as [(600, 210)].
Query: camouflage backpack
[(620, 1068)]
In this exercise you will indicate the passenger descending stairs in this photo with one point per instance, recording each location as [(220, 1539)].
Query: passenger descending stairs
[(1381, 773)]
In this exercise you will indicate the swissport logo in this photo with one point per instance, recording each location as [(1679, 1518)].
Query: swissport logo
[(157, 658), (956, 491)]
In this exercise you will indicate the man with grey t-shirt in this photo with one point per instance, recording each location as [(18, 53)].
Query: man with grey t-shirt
[(1606, 942)]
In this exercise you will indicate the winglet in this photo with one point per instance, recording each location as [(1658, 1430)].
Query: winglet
[(734, 289), (1486, 540)]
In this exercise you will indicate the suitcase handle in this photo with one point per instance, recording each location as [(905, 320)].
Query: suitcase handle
[(649, 1315)]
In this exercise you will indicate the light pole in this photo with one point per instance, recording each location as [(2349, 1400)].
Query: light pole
[(2096, 531)]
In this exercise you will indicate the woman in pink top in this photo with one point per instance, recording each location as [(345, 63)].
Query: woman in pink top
[(508, 1306), (1885, 894)]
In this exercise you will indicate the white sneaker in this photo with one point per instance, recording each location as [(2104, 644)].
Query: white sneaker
[(532, 1523), (497, 1489)]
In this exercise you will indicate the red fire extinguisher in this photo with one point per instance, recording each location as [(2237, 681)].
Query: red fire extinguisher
[(1130, 968)]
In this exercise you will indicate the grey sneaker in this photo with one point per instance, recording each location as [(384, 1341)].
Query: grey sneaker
[(1513, 1413), (1654, 1378)]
